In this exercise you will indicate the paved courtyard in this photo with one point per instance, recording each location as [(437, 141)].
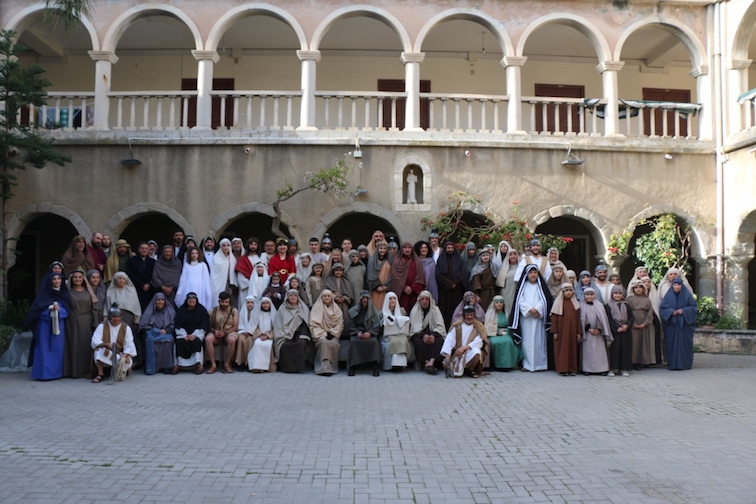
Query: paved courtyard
[(658, 436)]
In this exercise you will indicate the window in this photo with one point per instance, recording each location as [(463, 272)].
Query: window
[(558, 91), (397, 86), (218, 85)]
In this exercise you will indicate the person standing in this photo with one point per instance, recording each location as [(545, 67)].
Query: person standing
[(451, 278), (46, 320), (530, 319), (679, 312)]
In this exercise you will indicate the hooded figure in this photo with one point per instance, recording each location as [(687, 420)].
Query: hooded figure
[(529, 320), (597, 335), (293, 348), (504, 353), (451, 277), (46, 319), (364, 326), (679, 312), (157, 324)]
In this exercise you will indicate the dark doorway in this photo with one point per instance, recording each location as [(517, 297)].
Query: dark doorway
[(155, 226), (218, 85), (43, 240), (360, 227), (558, 91), (752, 294), (581, 253), (398, 86), (669, 95), (253, 224)]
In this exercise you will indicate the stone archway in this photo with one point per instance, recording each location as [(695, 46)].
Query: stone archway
[(597, 225), (222, 221), (337, 213), (118, 222)]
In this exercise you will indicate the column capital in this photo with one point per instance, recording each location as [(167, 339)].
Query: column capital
[(309, 56), (739, 64), (610, 66), (514, 61), (409, 57), (103, 56), (699, 71), (206, 55)]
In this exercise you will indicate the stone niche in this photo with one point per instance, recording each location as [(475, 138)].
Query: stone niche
[(412, 185)]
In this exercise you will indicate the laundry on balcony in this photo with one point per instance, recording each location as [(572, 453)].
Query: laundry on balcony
[(747, 96), (631, 108)]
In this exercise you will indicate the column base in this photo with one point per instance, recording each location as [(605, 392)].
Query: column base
[(306, 128)]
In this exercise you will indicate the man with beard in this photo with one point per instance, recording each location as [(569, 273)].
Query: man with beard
[(152, 253), (451, 277), (178, 240), (535, 257), (139, 269), (465, 346), (427, 330), (106, 244), (117, 262), (602, 285), (95, 251), (224, 324), (208, 247), (326, 246), (244, 269), (407, 277)]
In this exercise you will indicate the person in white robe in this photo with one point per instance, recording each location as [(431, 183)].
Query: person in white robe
[(395, 341), (530, 319), (260, 357), (465, 346), (222, 271), (113, 343), (542, 262), (195, 278), (259, 281)]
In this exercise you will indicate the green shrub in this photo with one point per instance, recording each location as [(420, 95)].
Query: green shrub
[(730, 319), (708, 314), (15, 313), (6, 335)]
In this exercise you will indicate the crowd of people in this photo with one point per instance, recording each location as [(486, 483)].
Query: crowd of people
[(261, 307)]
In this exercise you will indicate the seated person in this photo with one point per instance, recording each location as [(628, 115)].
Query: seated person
[(326, 326), (157, 325), (427, 332), (192, 323), (395, 338), (364, 326), (275, 290), (292, 344), (260, 356), (106, 353), (224, 322), (466, 345)]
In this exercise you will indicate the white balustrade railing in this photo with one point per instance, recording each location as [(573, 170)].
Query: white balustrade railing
[(375, 110), (67, 111), (559, 116), (154, 110), (465, 112), (259, 109), (748, 110), (658, 119)]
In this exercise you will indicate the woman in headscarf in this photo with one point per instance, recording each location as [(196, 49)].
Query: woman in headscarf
[(378, 275), (428, 330), (259, 281), (166, 273), (469, 298), (192, 323), (470, 257), (395, 337), (483, 279), (314, 285), (553, 256), (556, 279), (597, 335), (679, 311), (364, 254), (158, 326), (643, 334), (98, 287), (222, 272), (355, 271), (364, 326), (669, 277), (501, 255), (620, 316), (247, 325), (123, 292), (334, 258), (504, 354), (451, 278), (304, 266), (296, 284), (195, 278), (46, 320), (529, 320), (77, 351), (653, 296), (425, 253), (343, 294), (292, 343), (571, 277), (566, 331), (584, 281), (189, 241), (260, 356), (326, 326), (77, 257)]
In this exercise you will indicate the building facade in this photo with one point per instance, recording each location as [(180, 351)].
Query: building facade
[(225, 102)]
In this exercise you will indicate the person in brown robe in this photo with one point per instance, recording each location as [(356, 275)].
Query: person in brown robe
[(483, 279), (77, 351), (343, 295), (378, 274), (620, 316), (643, 328), (77, 257), (565, 326), (407, 277)]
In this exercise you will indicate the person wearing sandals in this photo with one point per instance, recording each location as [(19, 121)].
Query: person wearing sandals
[(103, 344), (192, 323), (465, 346), (224, 324)]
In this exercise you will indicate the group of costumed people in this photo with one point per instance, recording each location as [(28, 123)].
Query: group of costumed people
[(229, 306)]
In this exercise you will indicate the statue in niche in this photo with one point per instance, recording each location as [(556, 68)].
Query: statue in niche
[(411, 181)]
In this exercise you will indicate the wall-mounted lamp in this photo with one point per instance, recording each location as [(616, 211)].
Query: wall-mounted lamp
[(130, 163), (571, 159), (668, 157)]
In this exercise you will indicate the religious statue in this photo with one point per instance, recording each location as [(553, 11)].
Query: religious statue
[(411, 181)]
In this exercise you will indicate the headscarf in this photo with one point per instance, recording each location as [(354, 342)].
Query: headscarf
[(289, 317), (326, 318), (497, 258), (166, 272), (515, 320), (191, 320), (618, 308), (260, 283), (682, 300), (433, 319), (594, 315), (401, 266), (185, 246), (375, 263), (480, 266), (88, 287), (302, 272), (47, 296), (126, 298), (392, 322), (554, 284), (154, 318), (469, 298), (247, 317), (665, 283), (222, 272), (570, 274), (113, 264), (492, 316), (549, 259), (265, 319), (558, 307), (501, 277), (470, 261), (100, 291), (370, 314), (360, 249), (74, 260), (332, 283), (459, 270)]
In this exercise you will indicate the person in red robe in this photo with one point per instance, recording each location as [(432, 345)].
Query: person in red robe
[(281, 261), (407, 277)]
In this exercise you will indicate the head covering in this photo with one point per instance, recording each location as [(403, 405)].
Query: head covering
[(126, 297), (470, 261), (326, 318), (500, 258), (481, 266), (302, 271), (393, 322), (558, 307), (113, 264), (75, 260), (370, 314), (469, 298), (222, 273), (288, 319), (665, 283), (523, 288), (554, 284), (100, 291), (159, 319), (375, 263), (88, 287), (46, 296), (400, 270), (593, 316), (600, 267), (263, 320), (166, 272), (548, 252), (492, 316), (468, 308), (618, 309), (432, 319), (192, 319), (114, 311), (247, 317)]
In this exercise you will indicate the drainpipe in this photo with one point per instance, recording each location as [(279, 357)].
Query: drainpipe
[(717, 32)]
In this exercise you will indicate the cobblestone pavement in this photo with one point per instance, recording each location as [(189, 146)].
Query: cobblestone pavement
[(658, 436)]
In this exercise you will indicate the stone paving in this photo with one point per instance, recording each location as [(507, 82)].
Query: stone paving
[(658, 436)]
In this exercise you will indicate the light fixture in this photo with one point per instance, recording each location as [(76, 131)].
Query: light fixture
[(668, 157), (130, 163), (571, 159)]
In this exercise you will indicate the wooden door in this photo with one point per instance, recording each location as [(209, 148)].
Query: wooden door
[(558, 91), (397, 86), (670, 95), (218, 85)]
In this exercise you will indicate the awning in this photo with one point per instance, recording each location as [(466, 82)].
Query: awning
[(632, 107), (748, 95)]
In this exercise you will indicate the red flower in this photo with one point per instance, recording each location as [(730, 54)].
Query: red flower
[(460, 246), (567, 239), (527, 236)]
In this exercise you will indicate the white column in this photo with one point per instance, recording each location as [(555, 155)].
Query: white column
[(736, 283), (205, 64), (512, 65), (309, 61), (705, 98), (737, 84), (608, 71), (104, 61), (411, 63)]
